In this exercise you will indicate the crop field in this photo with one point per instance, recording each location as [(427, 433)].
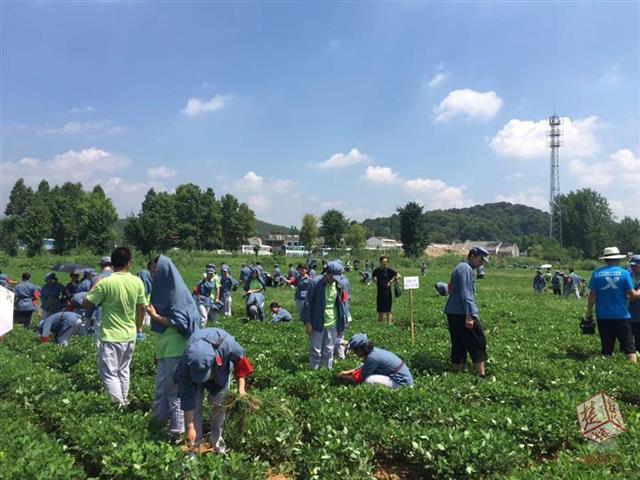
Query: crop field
[(519, 422)]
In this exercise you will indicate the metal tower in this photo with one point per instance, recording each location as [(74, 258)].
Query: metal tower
[(555, 141)]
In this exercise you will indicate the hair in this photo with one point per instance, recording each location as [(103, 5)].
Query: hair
[(382, 257), (302, 265), (151, 262), (571, 270), (120, 257), (274, 305), (368, 347), (610, 261), (26, 276)]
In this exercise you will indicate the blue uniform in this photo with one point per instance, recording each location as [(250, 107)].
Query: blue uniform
[(84, 285), (313, 310), (51, 300), (634, 305), (62, 325), (245, 273), (25, 294), (462, 291), (611, 285), (281, 316), (383, 362), (4, 280), (302, 287)]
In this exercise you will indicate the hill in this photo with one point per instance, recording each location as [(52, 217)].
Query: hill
[(492, 221)]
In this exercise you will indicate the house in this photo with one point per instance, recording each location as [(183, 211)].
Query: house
[(437, 249), (381, 243), (277, 240), (495, 248)]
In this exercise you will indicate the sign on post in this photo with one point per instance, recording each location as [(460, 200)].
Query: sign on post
[(600, 418), (6, 310), (411, 284)]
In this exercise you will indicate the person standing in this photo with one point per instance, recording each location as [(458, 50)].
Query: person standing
[(207, 294), (325, 314), (52, 296), (571, 285), (423, 269), (85, 283), (556, 283), (123, 302), (463, 315), (26, 296), (302, 283), (539, 283), (385, 277), (227, 285), (634, 305), (174, 318), (206, 365), (610, 287)]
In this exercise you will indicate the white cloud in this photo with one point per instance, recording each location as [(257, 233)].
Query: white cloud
[(622, 169), (438, 79), (611, 75), (196, 106), (436, 194), (380, 175), (474, 105), (161, 172), (93, 126), (341, 160), (259, 202), (527, 139), (533, 197)]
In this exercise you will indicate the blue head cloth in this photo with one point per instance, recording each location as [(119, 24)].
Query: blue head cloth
[(335, 269), (359, 340), (172, 299), (146, 278)]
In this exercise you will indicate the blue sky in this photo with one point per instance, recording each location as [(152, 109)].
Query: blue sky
[(298, 108)]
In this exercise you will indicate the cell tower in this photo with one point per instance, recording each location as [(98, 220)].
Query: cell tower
[(555, 141)]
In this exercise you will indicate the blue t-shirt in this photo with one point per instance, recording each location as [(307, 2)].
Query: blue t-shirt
[(611, 285), (634, 305)]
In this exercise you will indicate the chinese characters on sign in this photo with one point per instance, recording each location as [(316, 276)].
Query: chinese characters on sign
[(411, 283), (600, 418)]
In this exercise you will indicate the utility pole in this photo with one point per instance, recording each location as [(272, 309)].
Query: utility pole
[(555, 213)]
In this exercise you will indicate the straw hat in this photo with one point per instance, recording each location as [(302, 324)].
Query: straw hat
[(612, 253)]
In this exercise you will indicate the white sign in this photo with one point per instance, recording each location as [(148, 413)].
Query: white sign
[(6, 310), (411, 283)]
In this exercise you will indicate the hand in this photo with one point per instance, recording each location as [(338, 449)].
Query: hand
[(469, 322), (308, 328), (151, 310), (191, 434), (140, 337), (589, 318)]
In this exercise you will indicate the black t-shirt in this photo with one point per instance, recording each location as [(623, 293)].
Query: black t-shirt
[(383, 277)]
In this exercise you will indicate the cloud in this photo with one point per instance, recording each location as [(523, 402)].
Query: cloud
[(380, 175), (438, 79), (258, 202), (436, 194), (342, 160), (161, 172), (622, 169), (474, 105), (93, 126), (611, 75), (533, 197), (527, 139), (196, 106)]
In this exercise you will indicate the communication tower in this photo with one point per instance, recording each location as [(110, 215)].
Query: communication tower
[(555, 213)]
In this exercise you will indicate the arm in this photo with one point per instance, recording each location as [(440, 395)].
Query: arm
[(140, 311), (468, 298), (156, 317), (189, 427), (590, 303)]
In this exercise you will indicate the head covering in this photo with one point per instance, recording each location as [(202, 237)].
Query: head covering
[(442, 288), (335, 268), (635, 260), (172, 299), (480, 251), (211, 265), (78, 299), (145, 276), (359, 340), (203, 353), (210, 270), (88, 271), (225, 268), (51, 276), (104, 261), (612, 253)]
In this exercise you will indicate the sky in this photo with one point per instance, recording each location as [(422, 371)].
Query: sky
[(300, 107)]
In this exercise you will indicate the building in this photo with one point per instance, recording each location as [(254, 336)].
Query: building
[(381, 243), (276, 240), (495, 248), (254, 241)]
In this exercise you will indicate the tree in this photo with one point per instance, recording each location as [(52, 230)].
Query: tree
[(413, 229), (100, 216), (43, 197), (210, 230), (628, 235), (587, 222), (356, 236), (333, 227), (19, 199), (189, 215), (309, 231), (153, 230), (238, 222), (68, 215), (9, 236), (33, 231)]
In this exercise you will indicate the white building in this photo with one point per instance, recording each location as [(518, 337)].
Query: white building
[(381, 243)]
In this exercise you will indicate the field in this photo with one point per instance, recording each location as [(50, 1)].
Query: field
[(520, 422)]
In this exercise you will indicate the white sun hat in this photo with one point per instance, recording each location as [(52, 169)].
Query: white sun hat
[(612, 253)]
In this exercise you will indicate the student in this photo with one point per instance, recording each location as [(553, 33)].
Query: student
[(442, 288), (206, 365), (52, 296), (207, 294), (293, 271), (423, 269), (72, 286), (539, 283), (610, 287), (325, 314), (85, 283), (62, 325), (5, 281), (365, 277), (380, 367), (227, 286), (174, 318), (277, 276), (106, 269), (279, 313), (556, 283), (26, 296), (340, 344), (121, 296), (384, 277), (634, 305), (303, 281), (463, 315), (572, 285)]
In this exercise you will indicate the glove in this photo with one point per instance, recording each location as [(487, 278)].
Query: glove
[(140, 337), (44, 339)]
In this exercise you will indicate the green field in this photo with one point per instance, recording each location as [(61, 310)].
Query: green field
[(520, 422)]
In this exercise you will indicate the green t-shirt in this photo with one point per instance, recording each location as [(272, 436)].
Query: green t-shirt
[(255, 284), (170, 344), (330, 309), (118, 295)]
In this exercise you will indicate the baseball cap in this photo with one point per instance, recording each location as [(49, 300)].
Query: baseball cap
[(480, 251), (105, 261), (335, 268)]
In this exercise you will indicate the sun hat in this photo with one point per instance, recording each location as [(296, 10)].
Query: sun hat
[(612, 253)]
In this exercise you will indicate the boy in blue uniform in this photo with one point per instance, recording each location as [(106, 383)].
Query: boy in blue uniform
[(254, 289), (380, 367), (442, 288), (539, 283), (227, 285), (52, 296), (85, 283), (302, 282), (610, 287), (207, 295), (62, 325), (279, 313), (463, 316), (26, 296), (206, 365)]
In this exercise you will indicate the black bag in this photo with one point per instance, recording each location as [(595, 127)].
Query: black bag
[(397, 290), (588, 326)]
